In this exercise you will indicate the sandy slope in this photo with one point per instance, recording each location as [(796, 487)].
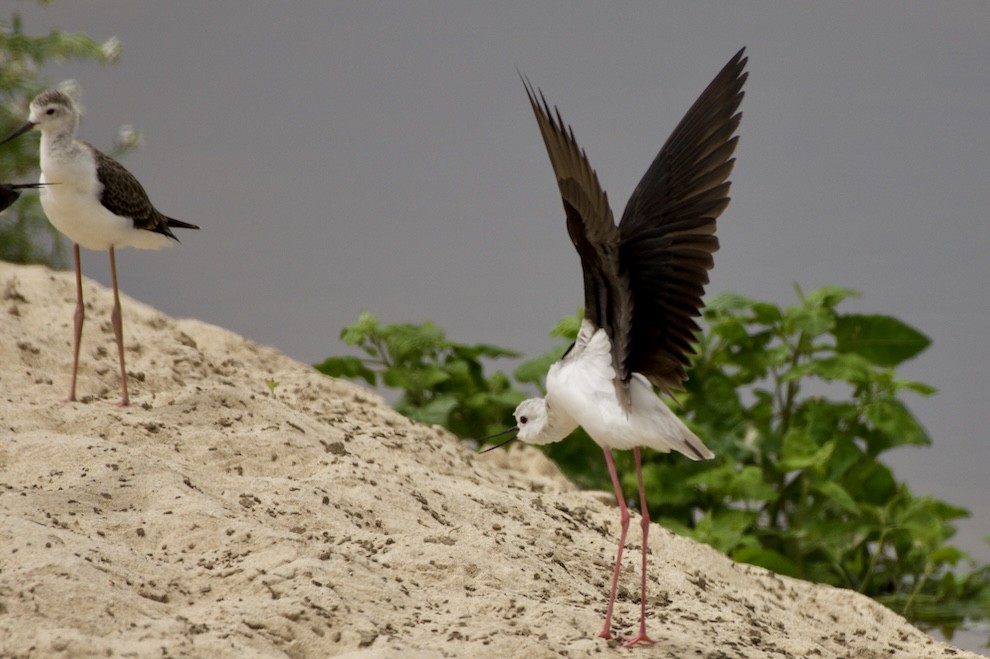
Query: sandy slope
[(212, 518)]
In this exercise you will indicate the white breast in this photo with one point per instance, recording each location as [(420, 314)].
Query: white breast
[(72, 202), (583, 384)]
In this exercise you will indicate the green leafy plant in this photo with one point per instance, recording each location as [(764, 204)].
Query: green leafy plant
[(25, 234), (799, 403), (272, 385), (441, 381)]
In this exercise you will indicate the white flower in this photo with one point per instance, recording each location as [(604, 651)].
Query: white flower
[(129, 136), (111, 49)]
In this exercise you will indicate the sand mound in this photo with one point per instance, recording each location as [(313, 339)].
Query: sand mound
[(216, 518)]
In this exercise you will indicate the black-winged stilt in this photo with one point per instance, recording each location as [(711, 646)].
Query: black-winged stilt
[(643, 283), (94, 201)]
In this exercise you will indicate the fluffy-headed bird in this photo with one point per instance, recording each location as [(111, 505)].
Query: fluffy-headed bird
[(94, 201)]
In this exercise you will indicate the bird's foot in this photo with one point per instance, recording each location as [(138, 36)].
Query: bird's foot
[(124, 402), (606, 633), (641, 637)]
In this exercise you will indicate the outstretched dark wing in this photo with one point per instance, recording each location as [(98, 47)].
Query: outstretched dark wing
[(9, 192), (591, 226), (125, 196), (668, 229)]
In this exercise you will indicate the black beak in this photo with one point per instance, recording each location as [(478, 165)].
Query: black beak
[(514, 429), (20, 131)]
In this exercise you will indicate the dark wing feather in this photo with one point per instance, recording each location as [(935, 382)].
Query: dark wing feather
[(591, 226), (124, 195), (668, 229), (9, 192)]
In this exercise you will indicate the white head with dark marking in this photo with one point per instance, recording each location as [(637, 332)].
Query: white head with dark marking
[(537, 423), (54, 110), (53, 113)]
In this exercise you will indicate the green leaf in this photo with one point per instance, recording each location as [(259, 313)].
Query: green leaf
[(800, 451), (917, 387), (437, 411), (410, 342), (838, 495), (346, 367), (766, 313), (749, 485), (418, 379), (767, 558), (884, 340), (727, 480), (568, 326), (716, 478), (949, 555), (479, 350), (366, 326), (812, 320), (724, 528), (727, 301), (870, 482), (847, 368), (897, 424), (829, 296), (731, 330)]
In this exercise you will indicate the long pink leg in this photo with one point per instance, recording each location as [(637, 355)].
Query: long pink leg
[(606, 632), (78, 318), (118, 329), (641, 637)]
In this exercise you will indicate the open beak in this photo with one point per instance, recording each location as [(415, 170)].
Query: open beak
[(20, 131), (514, 429)]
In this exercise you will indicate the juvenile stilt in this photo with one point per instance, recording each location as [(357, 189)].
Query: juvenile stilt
[(93, 200)]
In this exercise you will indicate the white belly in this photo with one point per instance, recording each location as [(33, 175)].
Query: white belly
[(73, 207), (583, 386)]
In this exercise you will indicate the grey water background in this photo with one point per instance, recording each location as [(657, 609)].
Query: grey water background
[(382, 156)]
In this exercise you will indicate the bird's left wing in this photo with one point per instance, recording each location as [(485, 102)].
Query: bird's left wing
[(668, 228), (591, 226), (124, 195)]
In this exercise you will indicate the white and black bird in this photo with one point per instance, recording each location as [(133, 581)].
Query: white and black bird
[(94, 201), (643, 285), (10, 192)]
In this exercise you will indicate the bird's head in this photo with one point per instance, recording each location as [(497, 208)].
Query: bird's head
[(534, 425), (52, 110), (533, 422)]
